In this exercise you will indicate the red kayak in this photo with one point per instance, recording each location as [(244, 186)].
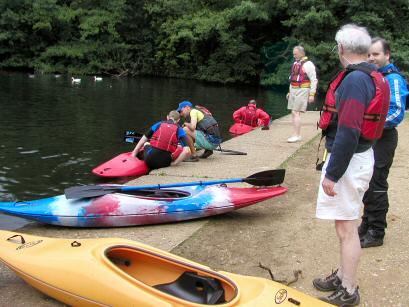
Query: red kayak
[(124, 165), (239, 129)]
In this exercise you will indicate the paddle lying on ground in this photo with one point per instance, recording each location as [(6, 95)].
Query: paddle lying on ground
[(230, 152), (264, 178), (131, 136)]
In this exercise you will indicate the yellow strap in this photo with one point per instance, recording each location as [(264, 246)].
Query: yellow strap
[(303, 85)]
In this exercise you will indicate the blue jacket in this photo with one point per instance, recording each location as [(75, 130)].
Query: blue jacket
[(399, 91)]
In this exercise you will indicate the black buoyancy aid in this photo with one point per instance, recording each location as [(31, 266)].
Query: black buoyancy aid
[(208, 124), (375, 113), (298, 76), (250, 115), (165, 137)]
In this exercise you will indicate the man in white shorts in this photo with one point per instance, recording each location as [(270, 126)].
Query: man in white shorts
[(351, 125), (303, 85)]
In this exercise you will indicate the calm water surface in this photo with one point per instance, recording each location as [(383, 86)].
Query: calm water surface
[(53, 132)]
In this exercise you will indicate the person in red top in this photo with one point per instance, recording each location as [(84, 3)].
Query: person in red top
[(164, 137), (251, 115)]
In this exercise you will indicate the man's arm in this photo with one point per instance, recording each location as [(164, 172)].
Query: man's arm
[(187, 148), (145, 138), (399, 92), (139, 146), (193, 121), (263, 117), (310, 71), (237, 115), (186, 140)]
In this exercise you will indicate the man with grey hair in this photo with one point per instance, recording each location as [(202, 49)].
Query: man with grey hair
[(303, 85), (353, 116)]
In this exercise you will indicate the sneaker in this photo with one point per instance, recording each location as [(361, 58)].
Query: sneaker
[(342, 298), (372, 239), (294, 139), (207, 153), (329, 283)]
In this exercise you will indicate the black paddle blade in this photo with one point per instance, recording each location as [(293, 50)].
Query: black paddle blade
[(89, 191), (266, 178)]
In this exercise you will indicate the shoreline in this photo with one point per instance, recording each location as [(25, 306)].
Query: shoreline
[(281, 233)]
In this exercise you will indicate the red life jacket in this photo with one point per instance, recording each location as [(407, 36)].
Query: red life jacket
[(298, 77), (375, 114), (165, 138), (249, 115)]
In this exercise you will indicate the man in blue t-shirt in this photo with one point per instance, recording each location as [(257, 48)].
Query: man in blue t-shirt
[(372, 229), (164, 137)]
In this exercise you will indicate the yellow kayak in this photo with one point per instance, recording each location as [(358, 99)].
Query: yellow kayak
[(119, 272)]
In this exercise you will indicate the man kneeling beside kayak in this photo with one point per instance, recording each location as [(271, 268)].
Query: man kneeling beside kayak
[(164, 138)]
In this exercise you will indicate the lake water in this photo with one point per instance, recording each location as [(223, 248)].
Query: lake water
[(54, 132)]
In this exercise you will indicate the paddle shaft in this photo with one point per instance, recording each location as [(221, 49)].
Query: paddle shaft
[(263, 178), (177, 185)]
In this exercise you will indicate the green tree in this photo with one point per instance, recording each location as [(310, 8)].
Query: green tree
[(199, 41), (88, 39), (313, 24), (227, 41)]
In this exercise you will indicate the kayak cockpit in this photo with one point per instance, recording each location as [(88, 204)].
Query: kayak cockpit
[(195, 288), (172, 277), (158, 194)]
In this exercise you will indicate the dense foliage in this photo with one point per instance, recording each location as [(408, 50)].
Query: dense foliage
[(222, 41)]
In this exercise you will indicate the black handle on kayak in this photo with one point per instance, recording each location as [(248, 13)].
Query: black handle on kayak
[(22, 241)]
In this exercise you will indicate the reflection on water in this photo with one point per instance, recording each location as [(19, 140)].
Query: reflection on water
[(54, 132)]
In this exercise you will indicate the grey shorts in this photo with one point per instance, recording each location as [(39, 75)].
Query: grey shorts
[(298, 99)]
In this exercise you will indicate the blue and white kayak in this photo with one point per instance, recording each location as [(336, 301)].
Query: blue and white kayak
[(151, 206)]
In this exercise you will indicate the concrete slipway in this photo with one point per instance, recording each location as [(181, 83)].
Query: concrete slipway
[(265, 150)]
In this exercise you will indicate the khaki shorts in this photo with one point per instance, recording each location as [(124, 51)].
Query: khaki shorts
[(350, 189), (298, 99)]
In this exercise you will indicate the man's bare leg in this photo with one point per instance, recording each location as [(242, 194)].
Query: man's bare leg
[(296, 119), (347, 233)]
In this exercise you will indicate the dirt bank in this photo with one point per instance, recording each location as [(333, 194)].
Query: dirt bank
[(284, 235)]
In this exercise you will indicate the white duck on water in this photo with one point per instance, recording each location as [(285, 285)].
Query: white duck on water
[(75, 80), (97, 78)]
